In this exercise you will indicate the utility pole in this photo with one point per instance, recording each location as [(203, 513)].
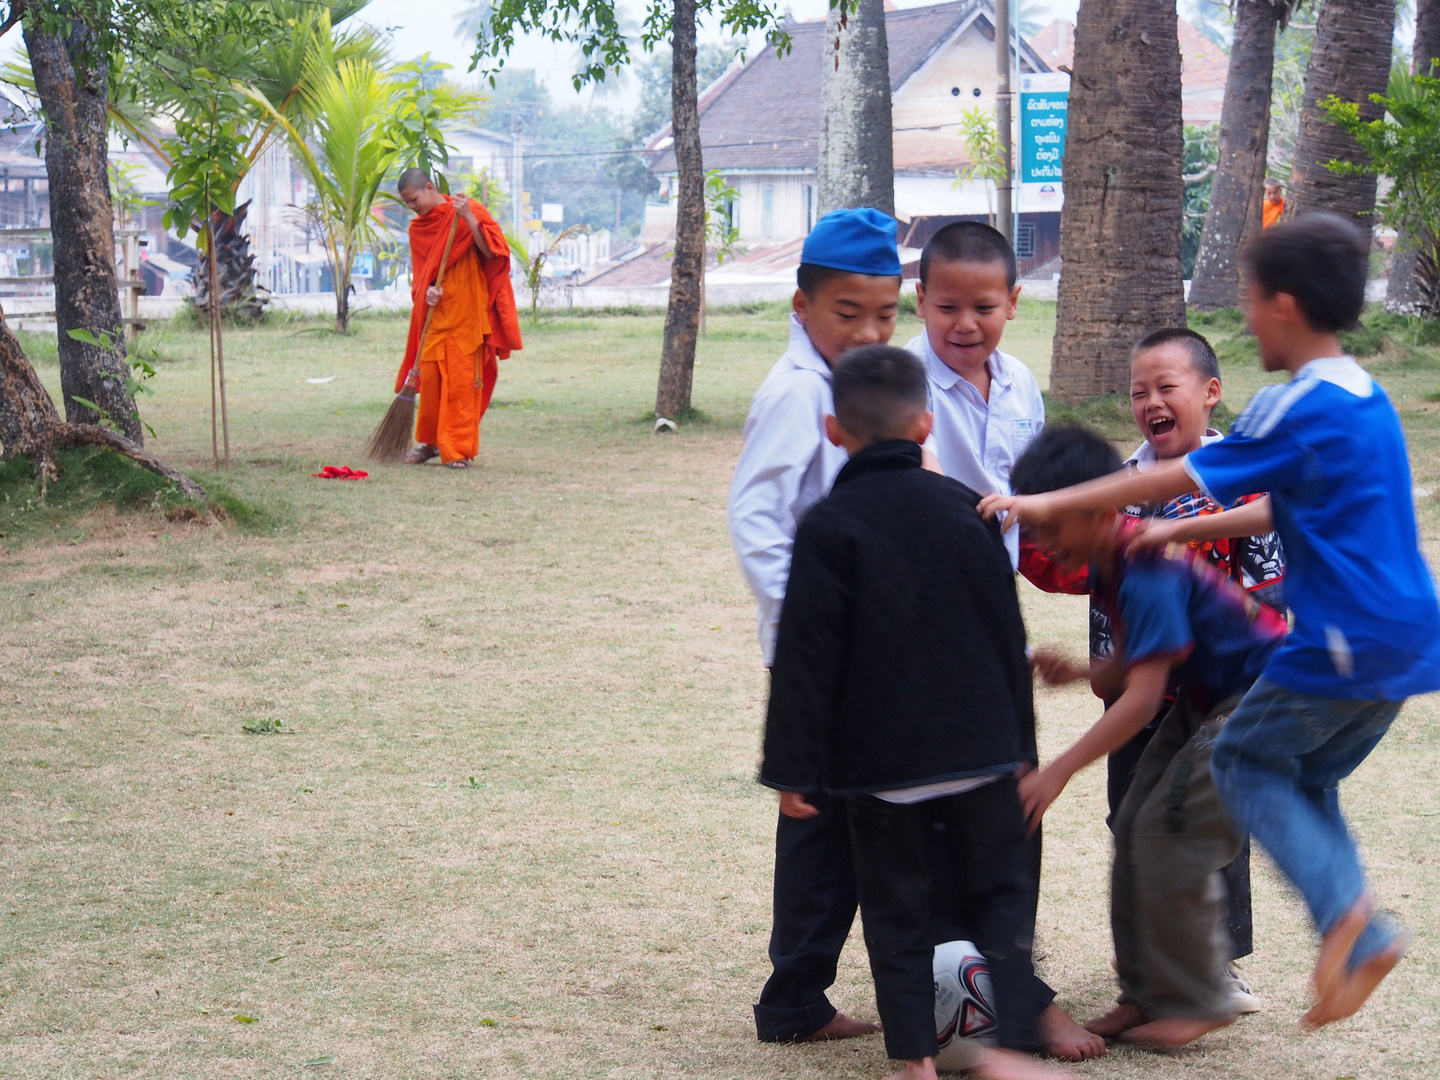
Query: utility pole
[(1005, 199), (517, 177)]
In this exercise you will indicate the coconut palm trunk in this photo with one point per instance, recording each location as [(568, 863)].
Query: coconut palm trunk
[(1238, 194), (1413, 285), (1120, 225), (1351, 60), (682, 313), (857, 152)]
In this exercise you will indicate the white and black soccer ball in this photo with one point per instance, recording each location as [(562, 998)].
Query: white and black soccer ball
[(964, 1006)]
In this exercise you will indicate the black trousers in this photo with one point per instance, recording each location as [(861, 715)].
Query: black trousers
[(814, 908), (947, 926), (1121, 770), (992, 897)]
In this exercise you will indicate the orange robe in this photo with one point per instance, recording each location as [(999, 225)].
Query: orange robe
[(475, 325), (1270, 213)]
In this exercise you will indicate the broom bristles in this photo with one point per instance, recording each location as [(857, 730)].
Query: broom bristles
[(391, 438)]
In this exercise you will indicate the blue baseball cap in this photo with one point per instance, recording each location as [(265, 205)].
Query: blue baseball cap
[(860, 241)]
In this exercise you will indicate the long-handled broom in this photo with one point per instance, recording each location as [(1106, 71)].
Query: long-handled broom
[(391, 438)]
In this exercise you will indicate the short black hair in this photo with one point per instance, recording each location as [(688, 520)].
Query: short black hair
[(879, 390), (969, 242), (811, 277), (411, 179), (1061, 456), (1320, 259), (1202, 356)]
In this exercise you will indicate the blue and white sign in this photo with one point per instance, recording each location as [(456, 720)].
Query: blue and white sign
[(1044, 110)]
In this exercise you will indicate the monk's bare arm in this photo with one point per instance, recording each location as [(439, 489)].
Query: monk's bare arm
[(462, 205)]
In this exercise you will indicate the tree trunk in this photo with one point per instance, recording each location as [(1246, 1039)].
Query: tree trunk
[(240, 297), (1351, 60), (1124, 199), (857, 149), (682, 314), (1411, 289), (1238, 194), (73, 95), (30, 426)]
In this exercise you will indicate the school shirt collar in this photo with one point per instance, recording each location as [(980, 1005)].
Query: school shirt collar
[(802, 351), (1145, 455), (946, 377)]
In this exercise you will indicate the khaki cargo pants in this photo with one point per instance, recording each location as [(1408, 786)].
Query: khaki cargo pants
[(1168, 899)]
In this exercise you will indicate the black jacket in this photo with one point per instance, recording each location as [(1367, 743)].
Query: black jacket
[(900, 659)]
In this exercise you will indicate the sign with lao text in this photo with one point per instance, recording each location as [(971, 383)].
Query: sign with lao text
[(1044, 106)]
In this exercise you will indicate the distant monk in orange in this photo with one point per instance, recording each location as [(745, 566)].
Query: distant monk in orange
[(1274, 205), (475, 324)]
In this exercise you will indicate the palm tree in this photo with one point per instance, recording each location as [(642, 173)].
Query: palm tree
[(1239, 188), (1120, 225), (1350, 60), (346, 158), (1405, 291), (857, 152)]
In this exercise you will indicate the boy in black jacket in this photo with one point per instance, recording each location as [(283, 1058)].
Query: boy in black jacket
[(900, 684)]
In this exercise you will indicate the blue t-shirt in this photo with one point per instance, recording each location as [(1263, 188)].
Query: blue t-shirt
[(1179, 606), (1328, 448)]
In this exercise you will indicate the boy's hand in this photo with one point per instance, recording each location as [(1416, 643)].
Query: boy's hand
[(793, 804), (1038, 789), (1031, 509), (1054, 669), (1151, 535)]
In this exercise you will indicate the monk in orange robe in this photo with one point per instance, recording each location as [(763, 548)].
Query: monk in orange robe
[(1274, 206), (475, 323)]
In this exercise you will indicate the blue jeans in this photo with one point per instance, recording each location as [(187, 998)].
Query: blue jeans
[(1278, 764)]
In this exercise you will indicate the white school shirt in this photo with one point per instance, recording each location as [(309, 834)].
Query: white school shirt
[(786, 467), (978, 441)]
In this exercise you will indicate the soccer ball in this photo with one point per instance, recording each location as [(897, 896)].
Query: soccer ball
[(964, 1006)]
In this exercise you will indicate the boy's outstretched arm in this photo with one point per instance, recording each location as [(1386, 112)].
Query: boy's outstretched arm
[(1144, 691), (1130, 487), (1252, 519)]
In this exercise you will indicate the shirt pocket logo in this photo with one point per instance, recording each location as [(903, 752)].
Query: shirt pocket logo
[(1022, 431)]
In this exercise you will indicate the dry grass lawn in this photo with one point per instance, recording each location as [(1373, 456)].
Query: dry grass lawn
[(515, 831)]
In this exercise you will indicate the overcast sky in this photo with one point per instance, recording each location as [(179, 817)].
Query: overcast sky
[(418, 26)]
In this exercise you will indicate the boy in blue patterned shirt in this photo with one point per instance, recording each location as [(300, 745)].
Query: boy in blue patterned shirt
[(1328, 447)]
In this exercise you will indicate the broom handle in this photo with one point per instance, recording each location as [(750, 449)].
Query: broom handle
[(414, 375)]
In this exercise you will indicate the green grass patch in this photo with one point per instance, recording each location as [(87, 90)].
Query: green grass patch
[(92, 479)]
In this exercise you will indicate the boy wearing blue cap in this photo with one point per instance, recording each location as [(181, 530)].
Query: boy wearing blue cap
[(848, 295)]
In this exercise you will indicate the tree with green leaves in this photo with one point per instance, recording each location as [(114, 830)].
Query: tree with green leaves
[(72, 47), (595, 26), (1404, 145), (987, 157)]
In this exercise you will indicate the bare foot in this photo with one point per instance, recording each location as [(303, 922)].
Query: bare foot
[(1348, 995), (1010, 1065), (1063, 1038), (1170, 1033), (919, 1069), (1119, 1019), (1337, 944), (841, 1027)]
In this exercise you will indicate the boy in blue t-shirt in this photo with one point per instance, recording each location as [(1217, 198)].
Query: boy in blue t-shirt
[(1185, 633), (1328, 447)]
